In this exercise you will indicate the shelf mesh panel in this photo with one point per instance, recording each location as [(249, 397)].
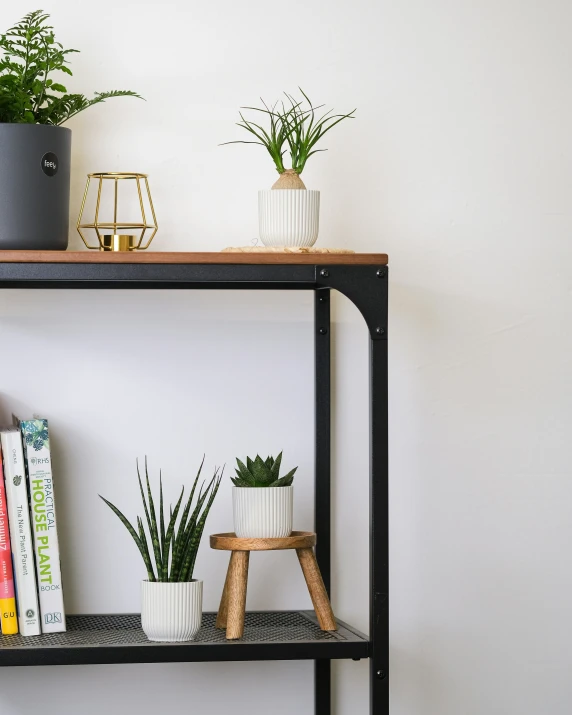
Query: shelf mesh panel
[(109, 630)]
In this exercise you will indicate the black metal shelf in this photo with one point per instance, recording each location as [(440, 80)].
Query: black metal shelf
[(268, 635)]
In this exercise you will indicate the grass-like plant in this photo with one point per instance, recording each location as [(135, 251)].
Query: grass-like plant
[(174, 546), (260, 472), (294, 124), (29, 54)]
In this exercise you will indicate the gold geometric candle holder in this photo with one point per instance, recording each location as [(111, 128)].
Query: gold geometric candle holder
[(119, 235)]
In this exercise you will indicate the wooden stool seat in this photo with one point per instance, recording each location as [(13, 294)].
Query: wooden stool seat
[(232, 542), (232, 607)]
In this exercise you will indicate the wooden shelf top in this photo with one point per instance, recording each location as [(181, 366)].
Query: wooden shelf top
[(351, 259)]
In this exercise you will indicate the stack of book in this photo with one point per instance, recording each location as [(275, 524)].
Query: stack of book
[(31, 595)]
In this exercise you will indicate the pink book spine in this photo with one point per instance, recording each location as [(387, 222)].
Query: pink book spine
[(8, 617)]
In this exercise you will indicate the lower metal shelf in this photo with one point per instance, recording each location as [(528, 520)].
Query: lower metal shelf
[(268, 635)]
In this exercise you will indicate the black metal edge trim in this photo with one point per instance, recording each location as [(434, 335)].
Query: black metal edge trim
[(149, 273), (198, 653)]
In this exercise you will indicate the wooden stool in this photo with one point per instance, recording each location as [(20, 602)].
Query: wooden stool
[(233, 602)]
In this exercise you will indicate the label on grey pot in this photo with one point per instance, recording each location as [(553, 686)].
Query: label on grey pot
[(50, 164)]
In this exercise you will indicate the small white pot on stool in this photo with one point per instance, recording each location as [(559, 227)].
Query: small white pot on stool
[(262, 513)]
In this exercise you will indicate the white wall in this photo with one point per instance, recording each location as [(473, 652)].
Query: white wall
[(459, 165)]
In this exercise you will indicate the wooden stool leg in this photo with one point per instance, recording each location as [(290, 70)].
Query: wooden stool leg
[(237, 582), (317, 589), (222, 614)]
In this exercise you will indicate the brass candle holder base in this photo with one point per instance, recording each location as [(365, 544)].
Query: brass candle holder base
[(117, 242), (111, 235)]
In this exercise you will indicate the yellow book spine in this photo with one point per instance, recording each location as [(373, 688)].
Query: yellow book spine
[(9, 617)]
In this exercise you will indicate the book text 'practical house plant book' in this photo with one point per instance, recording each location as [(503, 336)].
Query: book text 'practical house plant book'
[(38, 456)]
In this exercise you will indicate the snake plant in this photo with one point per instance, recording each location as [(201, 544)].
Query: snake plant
[(174, 545), (260, 472)]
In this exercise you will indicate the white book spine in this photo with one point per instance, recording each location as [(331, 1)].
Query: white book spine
[(20, 533), (44, 524)]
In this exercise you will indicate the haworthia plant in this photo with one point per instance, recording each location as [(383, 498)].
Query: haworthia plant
[(174, 546), (260, 472)]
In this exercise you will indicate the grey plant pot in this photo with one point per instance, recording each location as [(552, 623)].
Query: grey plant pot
[(34, 187)]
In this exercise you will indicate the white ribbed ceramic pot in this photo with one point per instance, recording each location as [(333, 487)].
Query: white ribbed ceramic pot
[(171, 612), (289, 217), (262, 512)]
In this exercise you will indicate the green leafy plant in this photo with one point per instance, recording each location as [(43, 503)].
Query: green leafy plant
[(174, 545), (28, 94), (294, 124), (260, 472)]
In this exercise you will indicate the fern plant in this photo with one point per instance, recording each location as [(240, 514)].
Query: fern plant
[(29, 55), (260, 472), (174, 545), (293, 125)]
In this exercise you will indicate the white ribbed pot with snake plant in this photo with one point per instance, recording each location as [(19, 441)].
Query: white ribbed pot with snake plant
[(262, 500), (288, 213), (171, 599)]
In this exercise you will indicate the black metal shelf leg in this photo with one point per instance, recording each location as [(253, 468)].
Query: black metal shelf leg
[(322, 668), (379, 583)]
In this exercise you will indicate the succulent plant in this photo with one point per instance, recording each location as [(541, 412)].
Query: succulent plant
[(174, 548), (260, 472), (292, 123)]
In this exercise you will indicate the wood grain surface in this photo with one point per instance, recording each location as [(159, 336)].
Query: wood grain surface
[(317, 590), (350, 259), (236, 594), (231, 542)]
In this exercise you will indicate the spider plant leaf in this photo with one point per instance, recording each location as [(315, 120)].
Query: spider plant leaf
[(315, 151), (239, 141), (270, 112), (254, 124), (260, 137), (323, 128)]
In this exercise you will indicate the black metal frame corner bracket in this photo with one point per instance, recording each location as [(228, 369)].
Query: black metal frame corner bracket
[(366, 287)]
